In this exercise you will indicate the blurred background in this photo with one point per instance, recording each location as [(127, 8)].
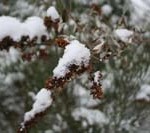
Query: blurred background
[(125, 107)]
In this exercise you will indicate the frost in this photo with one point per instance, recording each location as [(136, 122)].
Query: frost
[(92, 116), (123, 34), (42, 101), (75, 53), (144, 93), (52, 12)]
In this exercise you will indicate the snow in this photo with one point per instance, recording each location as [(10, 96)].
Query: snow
[(106, 9), (53, 13), (42, 47), (125, 125), (15, 29), (144, 93), (140, 12), (140, 4), (97, 77), (14, 54), (123, 34), (42, 101), (8, 58), (33, 27), (21, 7), (10, 26), (75, 53), (12, 77), (91, 116), (88, 2), (83, 97)]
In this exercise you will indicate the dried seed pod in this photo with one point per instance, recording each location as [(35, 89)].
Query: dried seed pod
[(27, 56), (96, 88), (49, 83), (96, 91), (96, 8), (6, 43), (61, 42), (47, 22)]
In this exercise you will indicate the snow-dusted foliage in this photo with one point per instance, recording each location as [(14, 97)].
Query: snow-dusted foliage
[(124, 34), (42, 101), (75, 53), (83, 98), (97, 77), (93, 56), (144, 93), (106, 10), (10, 78), (89, 116), (53, 14), (140, 12), (8, 58)]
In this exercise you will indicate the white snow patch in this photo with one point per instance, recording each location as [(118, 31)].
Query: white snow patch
[(123, 34), (10, 26), (33, 27), (106, 9), (14, 54), (140, 12), (92, 116), (97, 77), (12, 77), (53, 13), (9, 57), (144, 93), (42, 101), (107, 82), (83, 97), (75, 53), (23, 8), (15, 29)]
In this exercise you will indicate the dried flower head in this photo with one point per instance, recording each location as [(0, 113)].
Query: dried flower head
[(61, 42)]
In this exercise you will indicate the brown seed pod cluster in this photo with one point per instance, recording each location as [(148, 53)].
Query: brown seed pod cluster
[(96, 91), (6, 43), (24, 42), (25, 126), (49, 23), (27, 56), (56, 83), (61, 42), (96, 88), (96, 8), (40, 54)]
